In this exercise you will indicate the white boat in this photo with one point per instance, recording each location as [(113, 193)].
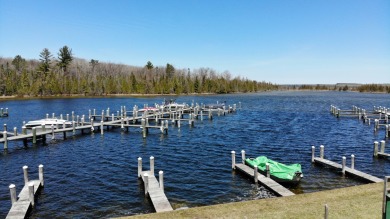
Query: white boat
[(48, 123)]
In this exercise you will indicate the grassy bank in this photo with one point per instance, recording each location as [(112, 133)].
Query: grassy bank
[(363, 201)]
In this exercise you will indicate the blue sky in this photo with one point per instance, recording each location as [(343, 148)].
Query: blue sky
[(284, 42)]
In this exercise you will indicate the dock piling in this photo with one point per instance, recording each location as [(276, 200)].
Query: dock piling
[(243, 156), (5, 140), (322, 151), (40, 168), (161, 179), (152, 165), (25, 174), (31, 193), (233, 159), (34, 132), (375, 148), (146, 183), (268, 174), (12, 189), (383, 146), (343, 165), (139, 166), (326, 211), (313, 149), (352, 161), (256, 174)]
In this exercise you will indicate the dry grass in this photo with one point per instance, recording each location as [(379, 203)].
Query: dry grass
[(363, 201)]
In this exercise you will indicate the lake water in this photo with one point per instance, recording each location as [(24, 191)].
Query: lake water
[(95, 176)]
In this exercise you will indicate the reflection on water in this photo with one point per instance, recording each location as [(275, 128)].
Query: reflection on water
[(94, 175)]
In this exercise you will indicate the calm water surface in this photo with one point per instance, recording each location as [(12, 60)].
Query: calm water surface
[(95, 176)]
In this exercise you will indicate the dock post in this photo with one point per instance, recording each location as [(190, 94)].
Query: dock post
[(67, 117), (89, 113), (383, 146), (343, 165), (146, 183), (61, 116), (376, 124), (34, 132), (25, 174), (12, 189), (387, 131), (139, 166), (24, 130), (5, 140), (369, 122), (338, 113), (376, 148), (201, 115), (53, 115), (31, 193), (243, 156), (322, 151), (92, 128), (161, 179), (326, 211), (152, 165), (255, 174), (112, 117), (40, 170), (313, 149), (268, 174), (5, 127), (101, 128), (74, 127), (122, 123), (233, 160), (143, 124), (52, 131), (15, 131), (352, 161)]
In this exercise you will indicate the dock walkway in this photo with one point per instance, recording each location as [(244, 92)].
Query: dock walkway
[(153, 188), (267, 182)]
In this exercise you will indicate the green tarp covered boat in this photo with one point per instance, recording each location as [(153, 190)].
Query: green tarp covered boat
[(279, 172)]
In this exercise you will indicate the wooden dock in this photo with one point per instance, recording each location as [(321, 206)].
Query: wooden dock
[(154, 189), (269, 183), (343, 168), (22, 205), (123, 118)]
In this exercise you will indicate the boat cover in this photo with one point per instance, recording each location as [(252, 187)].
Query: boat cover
[(277, 169)]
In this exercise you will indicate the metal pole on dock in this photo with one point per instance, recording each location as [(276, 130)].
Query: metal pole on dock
[(12, 189), (52, 131), (161, 179), (243, 156), (322, 151), (24, 130), (376, 148), (139, 166), (233, 159), (352, 161), (15, 131), (25, 174), (101, 128), (343, 165)]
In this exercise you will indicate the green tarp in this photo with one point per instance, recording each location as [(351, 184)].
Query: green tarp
[(279, 170)]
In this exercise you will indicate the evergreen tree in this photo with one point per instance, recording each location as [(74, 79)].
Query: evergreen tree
[(65, 57)]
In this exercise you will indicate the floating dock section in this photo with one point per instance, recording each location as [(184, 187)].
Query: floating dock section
[(154, 189), (269, 183), (342, 167), (22, 205)]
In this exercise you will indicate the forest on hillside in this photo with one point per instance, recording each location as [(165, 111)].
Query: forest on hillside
[(67, 75)]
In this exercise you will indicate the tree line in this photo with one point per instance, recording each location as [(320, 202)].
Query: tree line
[(67, 75)]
